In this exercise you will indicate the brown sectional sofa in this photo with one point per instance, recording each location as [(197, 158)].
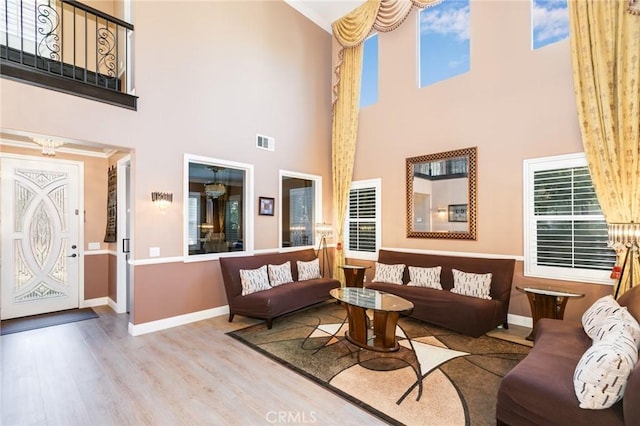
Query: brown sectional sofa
[(540, 390), (467, 315), (276, 301)]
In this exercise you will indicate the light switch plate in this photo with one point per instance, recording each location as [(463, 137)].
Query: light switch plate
[(94, 246), (154, 251)]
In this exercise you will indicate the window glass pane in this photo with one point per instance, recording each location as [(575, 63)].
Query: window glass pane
[(298, 211), (549, 22), (574, 244), (216, 218), (369, 83), (565, 192), (444, 48)]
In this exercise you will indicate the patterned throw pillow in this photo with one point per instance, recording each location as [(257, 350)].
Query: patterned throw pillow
[(308, 270), (595, 315), (619, 322), (601, 375), (388, 273), (280, 274), (469, 284), (254, 280), (425, 277)]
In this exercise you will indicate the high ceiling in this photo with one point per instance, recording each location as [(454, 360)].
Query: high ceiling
[(324, 12)]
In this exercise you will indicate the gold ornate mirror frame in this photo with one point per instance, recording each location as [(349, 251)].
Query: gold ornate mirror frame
[(431, 215)]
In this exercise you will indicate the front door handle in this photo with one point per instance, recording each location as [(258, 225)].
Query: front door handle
[(73, 255)]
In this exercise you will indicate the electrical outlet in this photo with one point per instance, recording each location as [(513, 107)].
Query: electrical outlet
[(154, 251)]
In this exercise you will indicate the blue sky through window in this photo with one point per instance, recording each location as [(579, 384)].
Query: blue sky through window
[(444, 47), (549, 22), (369, 83)]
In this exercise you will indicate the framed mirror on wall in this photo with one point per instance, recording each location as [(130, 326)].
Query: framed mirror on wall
[(442, 195)]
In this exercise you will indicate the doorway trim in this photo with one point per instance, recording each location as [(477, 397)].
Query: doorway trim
[(124, 189)]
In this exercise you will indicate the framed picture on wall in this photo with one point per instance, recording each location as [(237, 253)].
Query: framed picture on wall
[(457, 212), (266, 206)]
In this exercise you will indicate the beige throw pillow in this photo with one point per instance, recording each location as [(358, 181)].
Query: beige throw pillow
[(254, 280), (388, 273), (308, 270), (280, 274), (601, 375), (425, 277), (470, 284), (595, 315)]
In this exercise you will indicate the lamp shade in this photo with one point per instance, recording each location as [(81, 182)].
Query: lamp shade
[(324, 230), (623, 235)]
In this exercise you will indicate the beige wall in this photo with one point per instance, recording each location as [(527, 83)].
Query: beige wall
[(513, 104), (228, 70)]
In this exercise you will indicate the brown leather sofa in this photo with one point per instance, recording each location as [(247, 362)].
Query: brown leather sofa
[(467, 315), (276, 301), (540, 391)]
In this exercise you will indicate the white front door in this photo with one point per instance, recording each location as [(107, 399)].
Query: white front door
[(40, 231)]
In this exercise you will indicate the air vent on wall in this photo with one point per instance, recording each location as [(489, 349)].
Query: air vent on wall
[(265, 142)]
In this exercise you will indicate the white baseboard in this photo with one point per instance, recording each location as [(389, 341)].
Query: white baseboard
[(163, 324), (99, 301), (520, 320)]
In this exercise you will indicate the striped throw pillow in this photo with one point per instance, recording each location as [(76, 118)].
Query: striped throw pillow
[(254, 280), (280, 274), (469, 284)]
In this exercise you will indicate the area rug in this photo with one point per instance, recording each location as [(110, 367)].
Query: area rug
[(460, 375), (45, 320)]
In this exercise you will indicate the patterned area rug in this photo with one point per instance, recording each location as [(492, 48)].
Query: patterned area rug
[(459, 374)]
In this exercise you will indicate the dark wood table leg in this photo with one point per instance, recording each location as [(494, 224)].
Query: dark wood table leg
[(545, 306), (384, 328), (354, 277), (358, 325)]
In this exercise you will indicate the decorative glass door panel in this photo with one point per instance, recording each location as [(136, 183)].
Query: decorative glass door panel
[(40, 236)]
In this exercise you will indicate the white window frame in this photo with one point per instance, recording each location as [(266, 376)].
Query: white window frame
[(531, 269), (317, 181), (247, 202), (365, 255)]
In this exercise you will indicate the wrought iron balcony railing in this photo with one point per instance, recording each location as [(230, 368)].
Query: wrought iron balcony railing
[(67, 46)]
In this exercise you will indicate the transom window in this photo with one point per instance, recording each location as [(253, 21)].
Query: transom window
[(443, 40), (369, 82), (549, 22)]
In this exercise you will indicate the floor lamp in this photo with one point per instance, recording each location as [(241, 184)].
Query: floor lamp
[(624, 237), (324, 231)]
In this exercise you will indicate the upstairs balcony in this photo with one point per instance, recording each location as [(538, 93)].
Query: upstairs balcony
[(67, 46)]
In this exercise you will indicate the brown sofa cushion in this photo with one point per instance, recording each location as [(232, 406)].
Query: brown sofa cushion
[(631, 299), (465, 314)]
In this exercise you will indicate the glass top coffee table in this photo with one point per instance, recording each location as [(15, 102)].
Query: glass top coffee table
[(386, 311)]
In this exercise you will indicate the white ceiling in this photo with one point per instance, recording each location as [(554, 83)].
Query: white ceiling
[(324, 12)]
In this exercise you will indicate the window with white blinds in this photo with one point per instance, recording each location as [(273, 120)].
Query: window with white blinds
[(565, 230), (362, 227)]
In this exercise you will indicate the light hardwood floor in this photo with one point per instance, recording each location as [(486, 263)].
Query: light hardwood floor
[(94, 373)]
